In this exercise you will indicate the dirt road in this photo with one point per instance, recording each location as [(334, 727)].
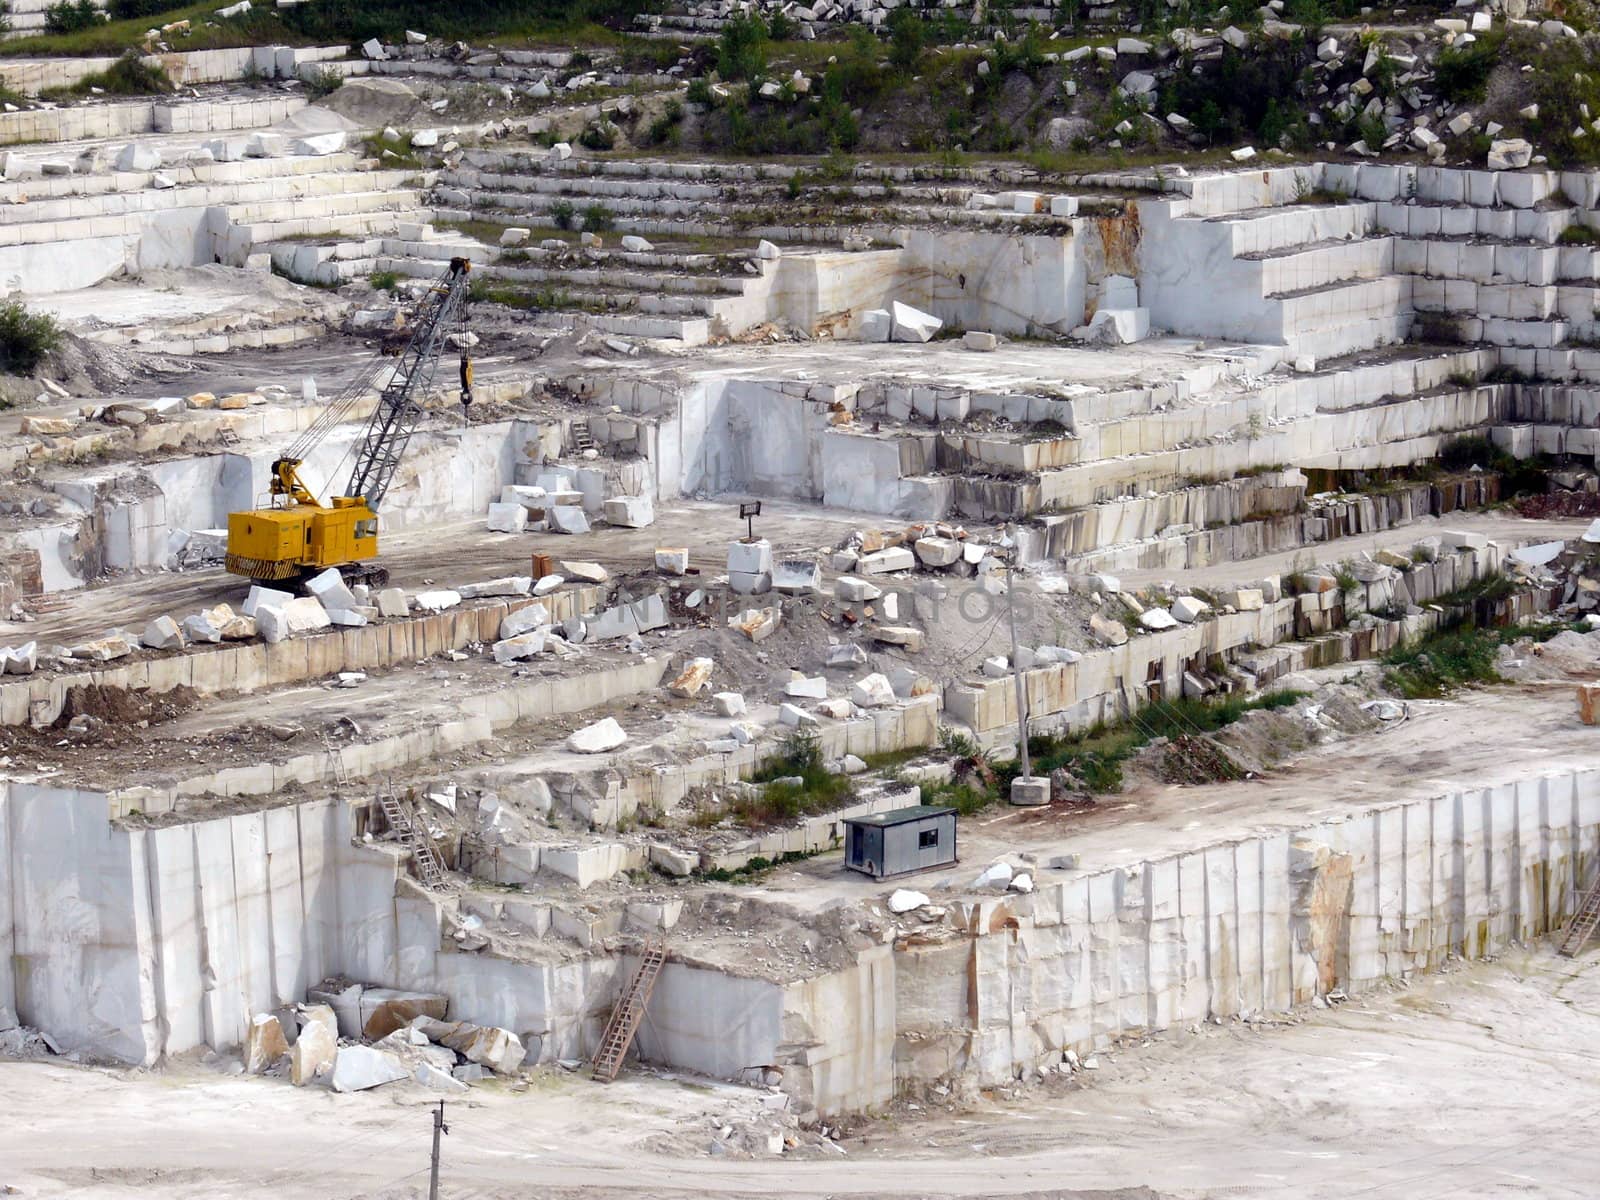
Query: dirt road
[(1466, 1084)]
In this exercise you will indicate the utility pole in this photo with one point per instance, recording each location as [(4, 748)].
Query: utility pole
[(439, 1127), (1025, 789)]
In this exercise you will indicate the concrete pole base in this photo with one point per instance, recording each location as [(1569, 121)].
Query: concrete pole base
[(1031, 792)]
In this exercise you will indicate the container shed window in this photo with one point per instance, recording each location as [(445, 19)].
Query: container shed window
[(927, 839)]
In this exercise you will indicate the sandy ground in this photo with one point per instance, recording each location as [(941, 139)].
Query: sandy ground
[(1478, 1082)]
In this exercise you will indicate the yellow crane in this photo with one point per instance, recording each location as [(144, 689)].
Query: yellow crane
[(297, 534)]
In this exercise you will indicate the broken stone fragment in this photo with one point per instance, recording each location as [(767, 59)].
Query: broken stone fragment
[(1106, 631), (524, 620), (487, 1045), (525, 645), (583, 572), (598, 738), (693, 678), (904, 900), (672, 560), (872, 691), (437, 601), (756, 624), (728, 704), (854, 590), (794, 716), (264, 1043), (846, 655), (801, 687), (392, 603), (908, 636), (1156, 619), (314, 1051)]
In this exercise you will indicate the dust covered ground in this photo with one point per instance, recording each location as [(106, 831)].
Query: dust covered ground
[(1459, 1085)]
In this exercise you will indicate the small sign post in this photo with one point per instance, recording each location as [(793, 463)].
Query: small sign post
[(749, 510)]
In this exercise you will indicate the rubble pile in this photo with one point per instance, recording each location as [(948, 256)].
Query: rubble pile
[(349, 1037)]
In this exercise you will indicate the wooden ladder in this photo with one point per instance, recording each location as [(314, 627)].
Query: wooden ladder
[(1583, 922), (625, 1018), (582, 439), (430, 867)]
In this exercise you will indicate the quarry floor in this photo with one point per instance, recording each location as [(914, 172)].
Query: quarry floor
[(1475, 1082)]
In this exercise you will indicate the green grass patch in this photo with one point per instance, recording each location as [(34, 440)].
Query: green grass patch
[(756, 868), (130, 75), (1438, 665), (384, 281), (796, 784)]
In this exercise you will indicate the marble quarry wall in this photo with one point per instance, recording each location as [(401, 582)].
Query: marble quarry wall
[(1227, 930)]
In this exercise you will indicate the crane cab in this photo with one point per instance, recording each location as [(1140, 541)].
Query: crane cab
[(281, 544)]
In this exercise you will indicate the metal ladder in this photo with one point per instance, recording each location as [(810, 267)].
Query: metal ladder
[(625, 1018), (430, 867), (1583, 922)]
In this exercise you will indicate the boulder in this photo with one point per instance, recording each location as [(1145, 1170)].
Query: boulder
[(1106, 631), (672, 560), (524, 620), (136, 156), (847, 655), (582, 572), (1509, 154), (794, 716), (1188, 608), (513, 235), (567, 518), (937, 551), (872, 691), (329, 588), (264, 1043), (506, 585), (384, 1010), (907, 636), (854, 590), (506, 518), (634, 244), (803, 687), (200, 630), (20, 660), (318, 145), (437, 601), (977, 339), (314, 1051), (358, 1068), (691, 681), (756, 624), (1156, 619), (263, 595), (797, 576), (630, 512), (392, 603), (904, 900), (892, 558), (524, 645), (598, 738), (728, 704), (162, 634), (876, 325), (487, 1045), (912, 325)]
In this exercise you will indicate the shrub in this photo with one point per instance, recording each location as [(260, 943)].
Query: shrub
[(597, 218), (320, 82), (598, 137), (69, 16), (1462, 73), (25, 337), (905, 39), (563, 214), (742, 48), (782, 28), (384, 281), (665, 127), (699, 92), (128, 76)]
